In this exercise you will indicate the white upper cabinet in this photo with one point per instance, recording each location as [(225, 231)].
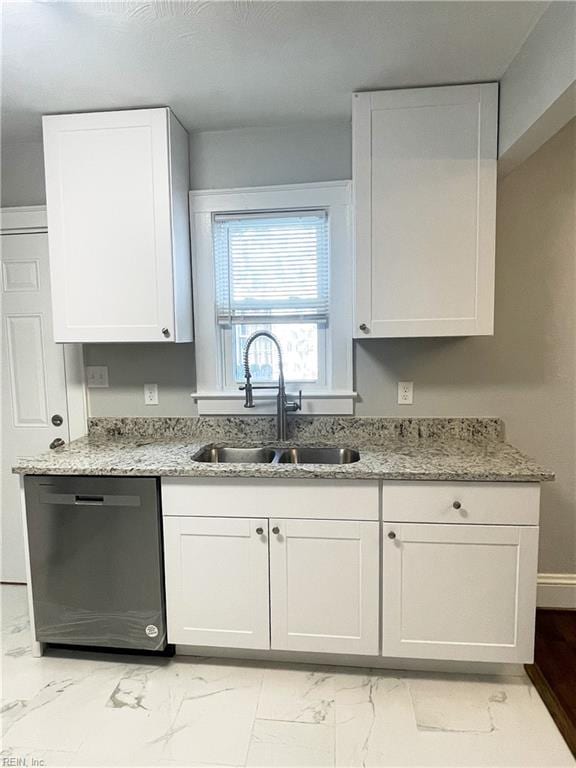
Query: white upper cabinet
[(116, 186), (425, 208)]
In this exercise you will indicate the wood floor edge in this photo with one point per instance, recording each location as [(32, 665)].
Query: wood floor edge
[(565, 725)]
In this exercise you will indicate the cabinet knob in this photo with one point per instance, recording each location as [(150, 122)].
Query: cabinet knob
[(57, 443), (276, 530), (166, 333), (391, 535), (259, 531), (456, 505), (364, 327)]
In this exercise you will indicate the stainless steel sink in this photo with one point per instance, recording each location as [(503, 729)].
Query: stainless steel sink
[(237, 455), (222, 455), (319, 456)]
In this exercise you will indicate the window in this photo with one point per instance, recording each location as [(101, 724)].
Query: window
[(276, 259), (272, 272)]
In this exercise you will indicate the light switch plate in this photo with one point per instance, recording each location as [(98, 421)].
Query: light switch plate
[(150, 394), (405, 392), (96, 376)]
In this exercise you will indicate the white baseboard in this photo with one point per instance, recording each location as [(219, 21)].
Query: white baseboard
[(556, 590)]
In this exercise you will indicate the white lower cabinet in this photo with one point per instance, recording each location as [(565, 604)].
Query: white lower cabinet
[(460, 592), (323, 596), (324, 585), (452, 577), (217, 581)]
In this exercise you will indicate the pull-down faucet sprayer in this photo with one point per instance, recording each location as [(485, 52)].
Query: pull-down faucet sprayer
[(283, 405)]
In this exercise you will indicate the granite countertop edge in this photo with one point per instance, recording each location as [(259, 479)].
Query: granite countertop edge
[(433, 459)]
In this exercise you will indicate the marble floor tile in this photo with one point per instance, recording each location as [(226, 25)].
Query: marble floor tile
[(214, 720), (63, 714), (372, 719), (75, 709), (277, 743), (436, 709), (297, 695), (460, 721)]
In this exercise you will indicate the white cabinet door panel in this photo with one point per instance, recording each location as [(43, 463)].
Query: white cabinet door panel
[(425, 193), (461, 592), (324, 586), (217, 582), (111, 203)]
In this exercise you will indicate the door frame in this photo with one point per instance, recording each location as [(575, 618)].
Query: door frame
[(33, 219)]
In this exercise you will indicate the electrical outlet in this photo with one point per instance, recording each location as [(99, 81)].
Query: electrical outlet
[(405, 392), (150, 394), (96, 376)]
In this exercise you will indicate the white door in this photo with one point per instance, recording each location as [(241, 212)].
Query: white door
[(459, 591), (324, 585), (108, 193), (217, 581), (425, 207), (33, 381)]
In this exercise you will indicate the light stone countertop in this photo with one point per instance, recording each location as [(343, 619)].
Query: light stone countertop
[(390, 449)]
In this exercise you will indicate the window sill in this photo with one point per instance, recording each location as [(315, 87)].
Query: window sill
[(328, 403)]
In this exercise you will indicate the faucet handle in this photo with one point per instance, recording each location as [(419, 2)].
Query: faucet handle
[(249, 400), (294, 405)]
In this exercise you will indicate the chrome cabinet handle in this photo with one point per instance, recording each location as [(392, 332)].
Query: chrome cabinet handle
[(166, 333), (276, 530), (57, 420), (363, 327), (57, 443), (456, 505), (391, 535), (259, 531)]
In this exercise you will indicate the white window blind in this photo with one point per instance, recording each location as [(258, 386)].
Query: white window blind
[(271, 265)]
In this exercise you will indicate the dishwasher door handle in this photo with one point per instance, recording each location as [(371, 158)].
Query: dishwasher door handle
[(94, 500), (90, 500)]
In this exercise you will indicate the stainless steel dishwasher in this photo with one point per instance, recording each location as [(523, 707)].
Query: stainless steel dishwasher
[(96, 561)]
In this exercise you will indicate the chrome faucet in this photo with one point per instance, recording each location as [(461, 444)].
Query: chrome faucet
[(283, 405)]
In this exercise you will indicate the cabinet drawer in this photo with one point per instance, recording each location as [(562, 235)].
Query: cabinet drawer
[(493, 503), (255, 497)]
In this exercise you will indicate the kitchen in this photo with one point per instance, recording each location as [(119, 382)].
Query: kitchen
[(278, 351)]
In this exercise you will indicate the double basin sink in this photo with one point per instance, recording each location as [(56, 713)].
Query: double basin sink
[(216, 455)]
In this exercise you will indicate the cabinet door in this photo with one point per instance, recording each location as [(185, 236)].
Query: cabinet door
[(324, 585), (217, 581), (109, 225), (459, 591), (425, 203)]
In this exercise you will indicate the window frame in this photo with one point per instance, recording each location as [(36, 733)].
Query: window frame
[(213, 396)]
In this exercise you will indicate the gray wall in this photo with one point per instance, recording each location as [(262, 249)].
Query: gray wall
[(22, 179), (543, 69), (525, 373), (251, 157)]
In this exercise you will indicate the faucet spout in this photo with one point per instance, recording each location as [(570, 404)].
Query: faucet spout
[(282, 404), (249, 343)]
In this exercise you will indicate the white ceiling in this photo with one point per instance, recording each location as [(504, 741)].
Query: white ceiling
[(236, 64)]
